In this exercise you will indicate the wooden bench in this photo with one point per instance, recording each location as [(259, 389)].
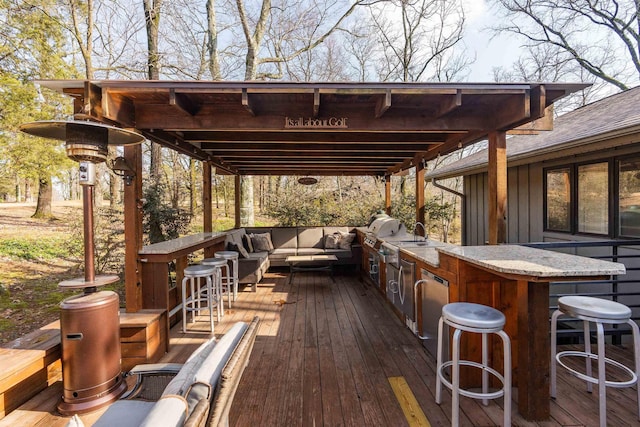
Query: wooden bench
[(29, 365)]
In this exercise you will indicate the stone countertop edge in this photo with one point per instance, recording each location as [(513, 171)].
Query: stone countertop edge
[(179, 243), (526, 261), (427, 255)]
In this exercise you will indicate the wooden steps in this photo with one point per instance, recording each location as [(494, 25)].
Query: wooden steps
[(29, 365)]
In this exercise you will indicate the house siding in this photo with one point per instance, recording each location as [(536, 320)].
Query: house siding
[(524, 207), (525, 222)]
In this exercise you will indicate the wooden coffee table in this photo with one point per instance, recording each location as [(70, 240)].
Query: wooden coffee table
[(299, 263)]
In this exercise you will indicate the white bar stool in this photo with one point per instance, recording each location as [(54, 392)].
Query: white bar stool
[(230, 279), (599, 311), (192, 303), (218, 264), (480, 319)]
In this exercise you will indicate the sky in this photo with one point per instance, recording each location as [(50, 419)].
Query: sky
[(500, 51)]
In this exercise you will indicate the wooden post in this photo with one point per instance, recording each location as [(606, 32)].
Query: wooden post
[(497, 187), (387, 194), (237, 200), (420, 212), (206, 198), (133, 230)]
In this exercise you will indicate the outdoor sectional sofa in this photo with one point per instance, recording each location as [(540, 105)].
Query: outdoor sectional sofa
[(290, 241)]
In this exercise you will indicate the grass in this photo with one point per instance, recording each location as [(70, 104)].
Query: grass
[(31, 248)]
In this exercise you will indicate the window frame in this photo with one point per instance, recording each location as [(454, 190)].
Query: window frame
[(612, 197), (616, 201)]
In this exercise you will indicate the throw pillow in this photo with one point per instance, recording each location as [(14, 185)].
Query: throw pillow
[(261, 242), (346, 239), (242, 252), (332, 241), (246, 241)]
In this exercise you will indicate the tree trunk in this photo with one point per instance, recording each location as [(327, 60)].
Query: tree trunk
[(27, 191), (225, 197), (212, 42), (247, 218), (45, 193), (193, 203), (152, 21), (217, 194), (114, 180)]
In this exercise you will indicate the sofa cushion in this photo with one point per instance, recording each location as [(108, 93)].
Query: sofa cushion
[(168, 411), (235, 236), (242, 252), (261, 255), (333, 230), (125, 413), (282, 253), (262, 242), (310, 237), (339, 253), (346, 239), (180, 384), (284, 237), (332, 241), (310, 251), (206, 376), (246, 242)]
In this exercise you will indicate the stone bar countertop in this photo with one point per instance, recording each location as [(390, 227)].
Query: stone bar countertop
[(526, 261)]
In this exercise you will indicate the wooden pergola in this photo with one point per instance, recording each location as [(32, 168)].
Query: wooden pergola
[(267, 128)]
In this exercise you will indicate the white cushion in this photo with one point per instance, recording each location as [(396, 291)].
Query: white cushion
[(125, 413), (180, 384), (167, 412)]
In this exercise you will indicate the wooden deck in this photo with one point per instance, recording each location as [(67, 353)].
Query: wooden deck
[(332, 354)]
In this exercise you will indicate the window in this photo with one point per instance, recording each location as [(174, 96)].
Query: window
[(577, 198), (629, 198), (559, 199), (593, 198)]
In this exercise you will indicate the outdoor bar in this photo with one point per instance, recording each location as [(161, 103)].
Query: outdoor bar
[(379, 129)]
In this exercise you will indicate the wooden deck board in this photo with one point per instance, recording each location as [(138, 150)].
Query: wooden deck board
[(323, 356)]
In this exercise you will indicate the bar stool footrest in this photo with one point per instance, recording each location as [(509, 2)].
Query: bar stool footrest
[(594, 380), (468, 393)]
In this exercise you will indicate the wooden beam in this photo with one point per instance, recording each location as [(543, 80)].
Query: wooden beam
[(450, 104), (237, 201), (316, 102), (212, 117), (211, 140), (133, 231), (207, 208), (497, 187), (246, 103), (420, 211), (387, 194), (183, 102), (116, 108), (383, 104), (514, 112)]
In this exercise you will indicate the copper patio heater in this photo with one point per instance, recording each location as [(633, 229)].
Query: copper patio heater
[(89, 322)]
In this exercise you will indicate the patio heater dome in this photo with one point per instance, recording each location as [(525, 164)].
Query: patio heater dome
[(89, 322)]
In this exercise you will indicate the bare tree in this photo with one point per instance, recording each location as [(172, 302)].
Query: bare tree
[(601, 36), (549, 63), (418, 38), (296, 28)]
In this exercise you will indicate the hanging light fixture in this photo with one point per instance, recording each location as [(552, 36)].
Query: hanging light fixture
[(307, 180)]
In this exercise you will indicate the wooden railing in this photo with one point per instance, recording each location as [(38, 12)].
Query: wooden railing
[(624, 289)]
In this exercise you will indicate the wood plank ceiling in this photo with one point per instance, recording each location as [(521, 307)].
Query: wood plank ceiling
[(265, 128)]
